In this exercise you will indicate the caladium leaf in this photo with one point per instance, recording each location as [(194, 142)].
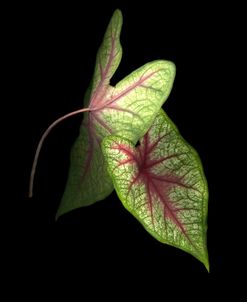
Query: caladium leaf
[(161, 182), (127, 110)]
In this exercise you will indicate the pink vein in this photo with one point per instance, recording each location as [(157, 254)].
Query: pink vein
[(125, 161), (126, 91), (171, 212), (163, 178), (117, 108), (152, 146), (150, 204), (156, 162), (126, 151), (101, 122), (105, 71), (111, 57), (134, 180), (89, 150)]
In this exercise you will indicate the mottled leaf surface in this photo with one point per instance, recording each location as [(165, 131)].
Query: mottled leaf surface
[(127, 110), (161, 182)]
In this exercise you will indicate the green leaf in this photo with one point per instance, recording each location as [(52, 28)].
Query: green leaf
[(128, 110), (161, 182)]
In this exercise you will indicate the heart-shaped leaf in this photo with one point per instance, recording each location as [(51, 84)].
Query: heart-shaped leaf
[(161, 182), (127, 110)]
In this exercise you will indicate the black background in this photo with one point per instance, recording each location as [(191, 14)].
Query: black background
[(52, 51)]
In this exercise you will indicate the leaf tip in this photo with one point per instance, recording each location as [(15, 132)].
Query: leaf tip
[(118, 13), (203, 258), (172, 68), (117, 18), (58, 214), (206, 263)]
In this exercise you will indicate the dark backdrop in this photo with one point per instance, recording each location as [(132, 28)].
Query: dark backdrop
[(52, 60)]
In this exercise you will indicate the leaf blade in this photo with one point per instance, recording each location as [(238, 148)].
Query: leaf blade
[(78, 190), (127, 110), (88, 180), (168, 197), (108, 58), (137, 99)]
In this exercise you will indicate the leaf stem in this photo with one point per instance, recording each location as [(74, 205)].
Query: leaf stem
[(47, 131)]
